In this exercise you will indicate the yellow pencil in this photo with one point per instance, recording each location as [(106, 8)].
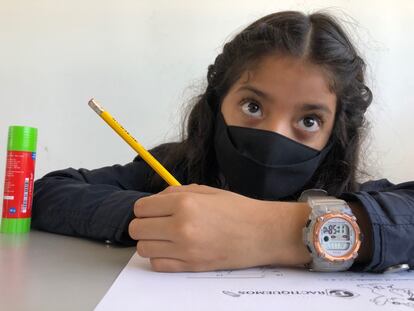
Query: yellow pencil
[(145, 155)]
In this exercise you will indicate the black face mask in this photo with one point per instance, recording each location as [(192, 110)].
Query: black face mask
[(262, 164)]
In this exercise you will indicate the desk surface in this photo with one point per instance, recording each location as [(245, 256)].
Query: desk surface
[(44, 271)]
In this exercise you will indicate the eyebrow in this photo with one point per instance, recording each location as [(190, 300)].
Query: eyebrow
[(254, 90), (304, 107), (313, 107)]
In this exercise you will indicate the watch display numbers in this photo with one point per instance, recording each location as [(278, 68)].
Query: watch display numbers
[(336, 236), (336, 228)]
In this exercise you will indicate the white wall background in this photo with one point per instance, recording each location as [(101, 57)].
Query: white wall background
[(143, 59)]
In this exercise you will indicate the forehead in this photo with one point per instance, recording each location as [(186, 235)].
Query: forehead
[(286, 78)]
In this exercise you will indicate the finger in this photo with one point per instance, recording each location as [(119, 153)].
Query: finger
[(203, 189), (177, 265), (158, 228), (168, 265), (151, 249), (153, 206)]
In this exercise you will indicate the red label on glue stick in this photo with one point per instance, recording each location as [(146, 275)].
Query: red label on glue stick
[(18, 186)]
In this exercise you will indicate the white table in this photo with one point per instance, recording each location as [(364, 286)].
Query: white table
[(44, 271)]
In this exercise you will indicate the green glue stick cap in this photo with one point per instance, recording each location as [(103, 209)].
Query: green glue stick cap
[(22, 138)]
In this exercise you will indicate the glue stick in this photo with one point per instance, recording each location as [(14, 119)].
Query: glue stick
[(19, 179)]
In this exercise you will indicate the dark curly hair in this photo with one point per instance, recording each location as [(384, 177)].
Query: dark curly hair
[(316, 37)]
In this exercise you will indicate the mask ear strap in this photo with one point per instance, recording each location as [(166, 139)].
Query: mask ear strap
[(329, 144), (324, 152)]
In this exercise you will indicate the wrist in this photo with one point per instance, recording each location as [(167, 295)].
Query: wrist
[(280, 233), (364, 253)]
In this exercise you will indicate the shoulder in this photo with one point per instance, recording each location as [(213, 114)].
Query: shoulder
[(375, 185)]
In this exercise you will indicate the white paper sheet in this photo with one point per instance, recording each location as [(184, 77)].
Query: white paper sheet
[(263, 288)]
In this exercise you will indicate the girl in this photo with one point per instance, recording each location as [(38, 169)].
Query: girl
[(283, 111)]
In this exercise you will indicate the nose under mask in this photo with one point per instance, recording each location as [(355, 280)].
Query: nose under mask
[(262, 164)]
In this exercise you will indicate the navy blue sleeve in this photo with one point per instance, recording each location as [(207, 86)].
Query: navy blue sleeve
[(390, 209), (95, 204)]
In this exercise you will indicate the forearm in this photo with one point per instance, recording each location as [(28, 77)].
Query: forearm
[(72, 207)]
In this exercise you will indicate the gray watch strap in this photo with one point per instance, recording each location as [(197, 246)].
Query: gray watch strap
[(318, 264)]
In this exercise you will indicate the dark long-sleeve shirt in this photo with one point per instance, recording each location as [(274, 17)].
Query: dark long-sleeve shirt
[(98, 204)]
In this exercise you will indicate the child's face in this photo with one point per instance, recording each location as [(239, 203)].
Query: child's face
[(285, 95)]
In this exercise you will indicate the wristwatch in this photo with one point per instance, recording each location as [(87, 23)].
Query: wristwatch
[(331, 234)]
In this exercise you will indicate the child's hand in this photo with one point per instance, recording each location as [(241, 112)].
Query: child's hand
[(200, 228)]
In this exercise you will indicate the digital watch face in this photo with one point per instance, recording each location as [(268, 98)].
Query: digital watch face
[(337, 237)]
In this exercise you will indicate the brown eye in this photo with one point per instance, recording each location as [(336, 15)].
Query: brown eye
[(310, 124), (250, 108)]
